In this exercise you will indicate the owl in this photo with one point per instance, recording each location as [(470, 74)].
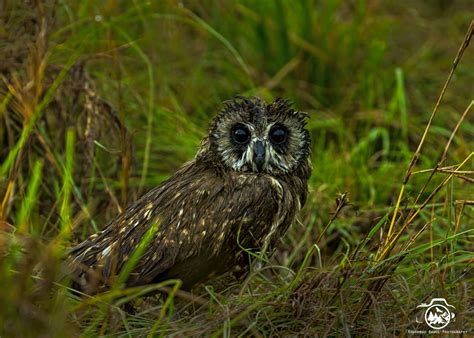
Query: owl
[(232, 202)]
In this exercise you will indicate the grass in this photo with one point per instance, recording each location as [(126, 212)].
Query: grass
[(102, 101)]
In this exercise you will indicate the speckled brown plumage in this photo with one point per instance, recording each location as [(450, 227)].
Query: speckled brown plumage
[(232, 195)]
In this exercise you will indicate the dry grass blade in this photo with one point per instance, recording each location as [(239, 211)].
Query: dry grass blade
[(391, 239), (416, 155)]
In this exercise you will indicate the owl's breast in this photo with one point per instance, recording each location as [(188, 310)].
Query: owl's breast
[(270, 208)]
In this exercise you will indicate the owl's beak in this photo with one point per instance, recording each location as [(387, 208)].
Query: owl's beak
[(259, 155)]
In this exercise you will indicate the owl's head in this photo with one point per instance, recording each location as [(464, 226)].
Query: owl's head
[(252, 136)]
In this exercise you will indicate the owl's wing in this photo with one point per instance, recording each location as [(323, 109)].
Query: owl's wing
[(195, 214), (100, 259)]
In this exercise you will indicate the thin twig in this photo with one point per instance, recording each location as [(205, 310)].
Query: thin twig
[(341, 202)]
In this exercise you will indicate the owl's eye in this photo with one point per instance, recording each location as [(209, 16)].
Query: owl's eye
[(278, 134), (240, 134)]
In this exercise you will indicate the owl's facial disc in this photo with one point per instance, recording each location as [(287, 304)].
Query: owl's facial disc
[(251, 136), (258, 151)]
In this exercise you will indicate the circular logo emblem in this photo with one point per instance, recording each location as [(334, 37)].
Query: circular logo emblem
[(437, 316)]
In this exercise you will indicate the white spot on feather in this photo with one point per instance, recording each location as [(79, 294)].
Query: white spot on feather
[(106, 251), (147, 214)]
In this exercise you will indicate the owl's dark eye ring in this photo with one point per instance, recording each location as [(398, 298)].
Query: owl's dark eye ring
[(278, 134), (240, 134)]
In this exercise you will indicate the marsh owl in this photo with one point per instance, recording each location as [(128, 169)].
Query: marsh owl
[(238, 195)]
